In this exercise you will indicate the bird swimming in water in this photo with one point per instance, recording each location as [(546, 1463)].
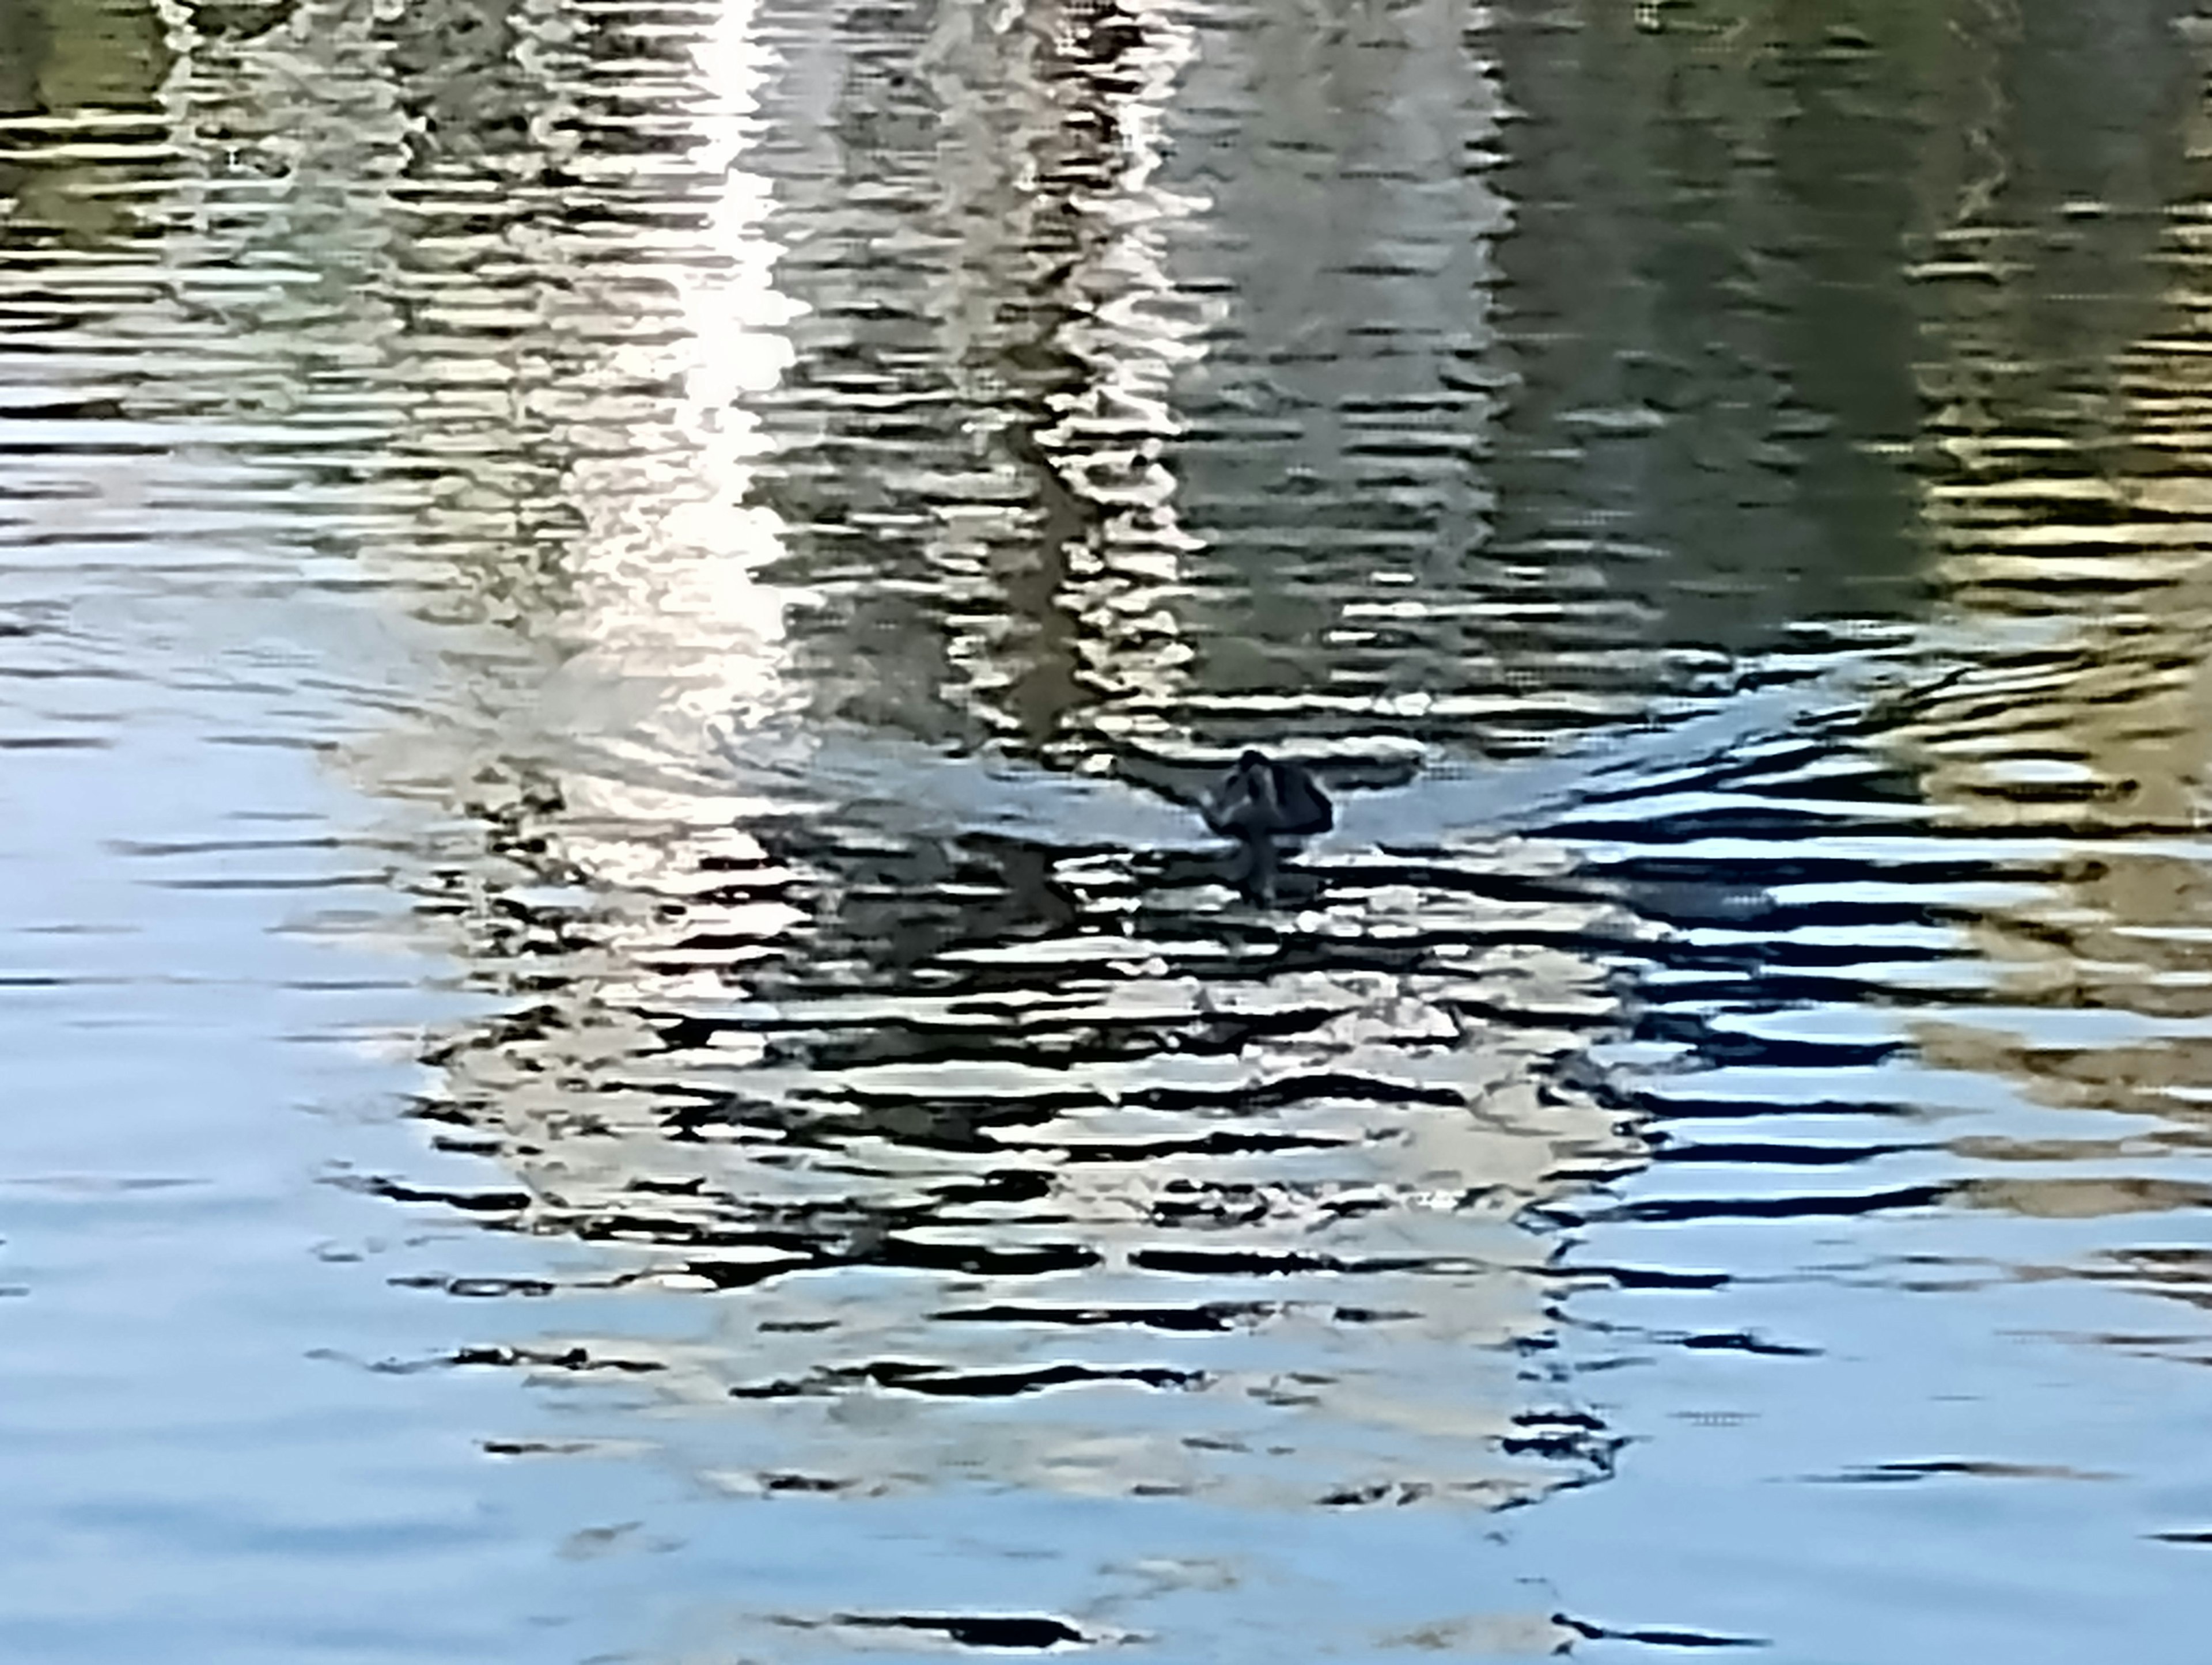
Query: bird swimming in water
[(1265, 805)]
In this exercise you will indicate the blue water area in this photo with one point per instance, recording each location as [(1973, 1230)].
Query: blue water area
[(623, 1037)]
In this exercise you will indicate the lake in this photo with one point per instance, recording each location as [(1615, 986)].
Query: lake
[(621, 1040)]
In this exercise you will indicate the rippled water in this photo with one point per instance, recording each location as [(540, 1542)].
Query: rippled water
[(621, 1041)]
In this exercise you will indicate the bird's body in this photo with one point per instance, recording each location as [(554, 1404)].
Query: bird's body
[(1265, 805), (1261, 797)]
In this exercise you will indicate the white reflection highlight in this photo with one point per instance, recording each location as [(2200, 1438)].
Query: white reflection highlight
[(677, 628)]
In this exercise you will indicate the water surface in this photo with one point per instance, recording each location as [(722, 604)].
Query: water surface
[(621, 1042)]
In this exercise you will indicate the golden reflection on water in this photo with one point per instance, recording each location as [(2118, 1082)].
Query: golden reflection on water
[(2073, 536)]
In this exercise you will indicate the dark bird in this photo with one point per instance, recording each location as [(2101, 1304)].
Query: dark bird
[(1266, 805)]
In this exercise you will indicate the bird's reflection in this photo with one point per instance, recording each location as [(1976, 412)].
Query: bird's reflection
[(1267, 805)]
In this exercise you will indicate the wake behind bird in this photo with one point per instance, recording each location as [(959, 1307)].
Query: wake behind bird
[(905, 786)]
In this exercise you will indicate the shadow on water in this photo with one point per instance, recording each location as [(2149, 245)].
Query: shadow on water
[(656, 587)]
